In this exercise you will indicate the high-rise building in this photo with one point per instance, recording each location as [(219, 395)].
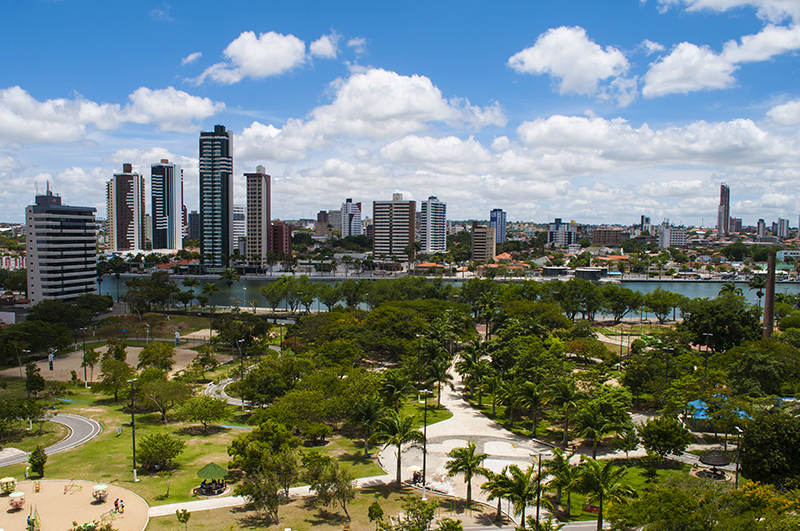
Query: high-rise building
[(61, 249), (259, 195), (735, 225), (194, 225), (322, 216), (484, 243), (280, 241), (724, 211), (497, 220), (671, 236), (351, 219), (761, 228), (562, 234), (783, 228), (166, 203), (126, 226), (433, 226), (239, 223), (393, 227), (216, 195), (335, 219)]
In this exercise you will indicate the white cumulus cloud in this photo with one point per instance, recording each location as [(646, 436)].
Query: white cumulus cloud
[(786, 114), (686, 69), (326, 47), (771, 10), (569, 55), (191, 58), (268, 54)]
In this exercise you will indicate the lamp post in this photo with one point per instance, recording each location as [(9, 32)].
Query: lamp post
[(245, 296), (27, 376), (738, 450), (539, 490), (241, 358), (147, 342), (85, 382), (425, 392), (133, 428)]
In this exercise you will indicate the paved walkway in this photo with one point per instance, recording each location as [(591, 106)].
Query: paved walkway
[(81, 430)]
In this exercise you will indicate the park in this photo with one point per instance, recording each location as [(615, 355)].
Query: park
[(497, 403)]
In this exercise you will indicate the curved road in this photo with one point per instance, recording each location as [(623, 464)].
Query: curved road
[(81, 430)]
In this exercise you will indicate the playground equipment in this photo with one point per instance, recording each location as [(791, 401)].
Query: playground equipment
[(100, 492), (107, 517), (34, 522), (71, 485), (16, 500), (7, 485)]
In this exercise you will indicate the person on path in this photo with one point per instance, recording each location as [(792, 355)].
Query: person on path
[(121, 506), (116, 505)]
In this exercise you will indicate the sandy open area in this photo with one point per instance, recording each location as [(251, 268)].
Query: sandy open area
[(63, 366), (58, 509)]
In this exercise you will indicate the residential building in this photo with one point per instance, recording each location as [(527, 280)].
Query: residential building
[(783, 228), (735, 225), (126, 228), (61, 249), (322, 216), (607, 236), (351, 219), (166, 203), (761, 228), (433, 226), (148, 232), (239, 223), (393, 227), (194, 225), (484, 243), (280, 238), (335, 219), (216, 195), (497, 220), (259, 197), (724, 211), (562, 234), (671, 236)]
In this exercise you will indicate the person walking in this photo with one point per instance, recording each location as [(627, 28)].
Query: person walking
[(116, 505), (121, 506)]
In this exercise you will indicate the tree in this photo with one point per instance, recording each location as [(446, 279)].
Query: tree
[(262, 491), (562, 475), (521, 489), (183, 517), (770, 451), (397, 431), (158, 354), (90, 359), (664, 436), (466, 461), (601, 483), (729, 320), (329, 295), (532, 397), (375, 514), (205, 360), (37, 460), (158, 450), (191, 283), (204, 409), (114, 375), (496, 485), (274, 292), (229, 275), (34, 381), (394, 385), (164, 395), (619, 301), (758, 283), (418, 515), (566, 396), (628, 441), (330, 482), (117, 266), (661, 302), (592, 424), (366, 414)]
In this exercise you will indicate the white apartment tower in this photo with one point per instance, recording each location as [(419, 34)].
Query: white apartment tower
[(258, 214), (433, 226), (393, 227), (61, 249), (166, 203), (126, 215), (351, 219)]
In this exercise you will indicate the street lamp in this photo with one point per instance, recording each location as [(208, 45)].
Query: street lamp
[(705, 371), (245, 296), (425, 392), (738, 436), (539, 488), (27, 376), (133, 428), (148, 334), (85, 382), (241, 357)]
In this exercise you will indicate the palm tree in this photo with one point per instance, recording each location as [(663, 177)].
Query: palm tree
[(117, 266), (398, 431), (229, 275), (508, 397), (600, 483), (393, 387), (191, 283), (730, 287), (759, 283), (493, 385), (532, 397), (593, 425), (366, 413), (210, 289), (468, 360), (102, 269), (562, 474), (439, 370), (497, 485), (522, 489), (566, 396), (465, 460)]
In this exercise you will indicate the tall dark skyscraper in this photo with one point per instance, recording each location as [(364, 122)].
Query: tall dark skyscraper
[(166, 193), (216, 195), (724, 211), (497, 220)]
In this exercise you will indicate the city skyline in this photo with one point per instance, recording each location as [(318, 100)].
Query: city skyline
[(568, 110)]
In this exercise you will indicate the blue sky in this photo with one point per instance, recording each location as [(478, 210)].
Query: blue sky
[(593, 111)]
